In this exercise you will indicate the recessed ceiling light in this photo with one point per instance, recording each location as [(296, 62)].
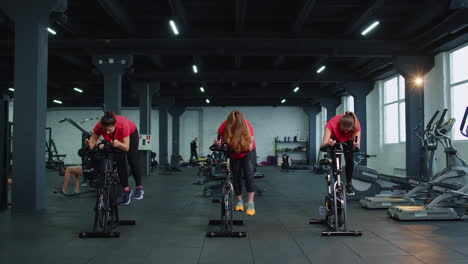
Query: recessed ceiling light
[(202, 89), (58, 101), (283, 101), (11, 89), (296, 89), (207, 101), (195, 70)]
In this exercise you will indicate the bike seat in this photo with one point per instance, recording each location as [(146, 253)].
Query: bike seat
[(325, 162)]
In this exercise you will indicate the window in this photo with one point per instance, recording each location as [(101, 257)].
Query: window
[(458, 87), (394, 110)]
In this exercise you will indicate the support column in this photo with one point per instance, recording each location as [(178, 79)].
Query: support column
[(4, 150), (312, 112), (145, 91), (412, 67), (360, 90), (176, 112), (31, 51), (163, 104), (330, 103), (113, 67)]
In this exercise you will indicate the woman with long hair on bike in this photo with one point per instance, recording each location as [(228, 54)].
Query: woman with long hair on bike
[(122, 133), (344, 128), (238, 133)]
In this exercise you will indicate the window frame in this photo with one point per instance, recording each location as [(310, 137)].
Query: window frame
[(398, 103), (450, 87)]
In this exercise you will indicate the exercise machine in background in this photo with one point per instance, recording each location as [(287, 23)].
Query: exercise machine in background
[(54, 160), (448, 199)]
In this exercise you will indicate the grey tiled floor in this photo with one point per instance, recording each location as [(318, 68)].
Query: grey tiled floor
[(172, 221)]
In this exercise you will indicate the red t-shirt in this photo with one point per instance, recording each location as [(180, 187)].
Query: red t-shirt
[(336, 134), (124, 127), (222, 129)]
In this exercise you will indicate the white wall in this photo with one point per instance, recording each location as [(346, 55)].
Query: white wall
[(68, 138), (389, 156), (436, 97), (268, 123)]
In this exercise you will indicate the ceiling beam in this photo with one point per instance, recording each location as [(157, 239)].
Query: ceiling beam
[(297, 25), (156, 60), (303, 15), (75, 60), (456, 21), (365, 14), (118, 12), (235, 46), (240, 15), (247, 76), (252, 75), (373, 66), (432, 9), (178, 11), (237, 61)]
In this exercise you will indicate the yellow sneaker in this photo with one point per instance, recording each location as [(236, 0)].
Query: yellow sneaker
[(250, 208), (239, 206)]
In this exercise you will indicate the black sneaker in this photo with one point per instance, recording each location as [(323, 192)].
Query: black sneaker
[(350, 190)]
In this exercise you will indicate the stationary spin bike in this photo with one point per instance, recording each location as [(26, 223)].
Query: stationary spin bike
[(226, 221), (335, 201)]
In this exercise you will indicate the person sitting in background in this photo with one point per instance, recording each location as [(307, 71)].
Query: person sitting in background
[(76, 171)]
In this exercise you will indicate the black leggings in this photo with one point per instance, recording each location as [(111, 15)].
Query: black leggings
[(244, 167), (133, 159), (349, 159)]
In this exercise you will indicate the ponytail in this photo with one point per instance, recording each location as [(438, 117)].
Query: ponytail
[(108, 119), (350, 120)]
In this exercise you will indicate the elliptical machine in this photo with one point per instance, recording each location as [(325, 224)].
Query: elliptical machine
[(336, 218), (448, 192)]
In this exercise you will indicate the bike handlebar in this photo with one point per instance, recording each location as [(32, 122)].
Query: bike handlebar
[(442, 117), (432, 119), (463, 130), (339, 147)]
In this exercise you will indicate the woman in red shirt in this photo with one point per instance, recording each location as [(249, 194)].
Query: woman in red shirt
[(122, 133), (344, 128), (238, 133)]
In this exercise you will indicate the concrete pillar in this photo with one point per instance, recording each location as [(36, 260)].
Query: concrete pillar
[(145, 90), (163, 104), (176, 112), (31, 51), (330, 103), (312, 112), (113, 67), (412, 67), (4, 150), (360, 90)]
